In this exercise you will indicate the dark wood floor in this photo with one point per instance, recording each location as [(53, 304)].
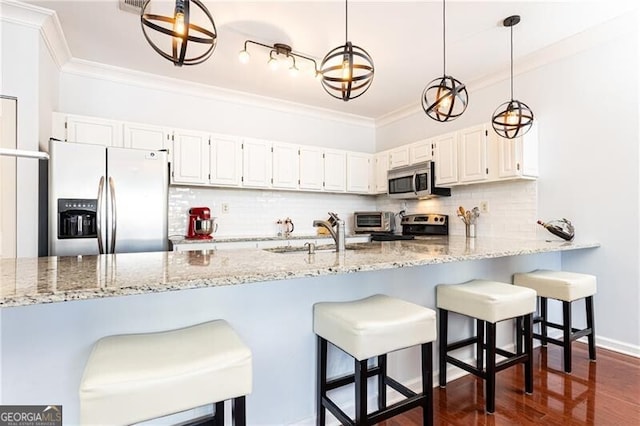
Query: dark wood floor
[(606, 392)]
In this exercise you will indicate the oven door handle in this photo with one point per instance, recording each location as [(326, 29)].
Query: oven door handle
[(413, 183), (99, 216)]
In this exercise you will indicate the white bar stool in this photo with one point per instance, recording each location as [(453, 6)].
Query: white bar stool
[(488, 302), (136, 377), (566, 287), (367, 328)]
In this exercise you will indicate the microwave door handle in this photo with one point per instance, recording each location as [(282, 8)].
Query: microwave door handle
[(113, 214), (99, 216), (413, 182)]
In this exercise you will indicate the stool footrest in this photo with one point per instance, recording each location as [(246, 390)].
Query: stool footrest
[(399, 387), (461, 343), (347, 379)]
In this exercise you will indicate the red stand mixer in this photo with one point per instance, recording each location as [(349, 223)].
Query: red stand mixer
[(201, 225)]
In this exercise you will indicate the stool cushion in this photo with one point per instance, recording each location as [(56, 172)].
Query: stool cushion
[(374, 326), (486, 300), (561, 285), (135, 377)]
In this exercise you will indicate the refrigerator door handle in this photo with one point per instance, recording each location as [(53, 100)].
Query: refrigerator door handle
[(113, 214), (99, 216)]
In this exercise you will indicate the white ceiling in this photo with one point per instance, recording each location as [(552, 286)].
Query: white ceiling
[(403, 37)]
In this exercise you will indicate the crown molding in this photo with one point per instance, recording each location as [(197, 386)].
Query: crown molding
[(571, 46)]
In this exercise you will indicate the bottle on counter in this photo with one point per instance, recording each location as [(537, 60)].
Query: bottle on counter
[(561, 228)]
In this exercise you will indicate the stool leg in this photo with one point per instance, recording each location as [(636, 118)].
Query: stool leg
[(528, 347), (519, 334), (566, 335), (443, 315), (219, 417), (361, 391), (590, 324), (382, 385), (427, 384), (239, 411), (321, 380), (543, 322), (490, 392), (479, 344)]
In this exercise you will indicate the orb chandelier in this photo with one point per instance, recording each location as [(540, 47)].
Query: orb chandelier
[(513, 118), (177, 33), (347, 71), (444, 98)]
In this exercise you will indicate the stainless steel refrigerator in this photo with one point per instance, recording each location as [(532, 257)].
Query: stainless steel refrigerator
[(106, 200)]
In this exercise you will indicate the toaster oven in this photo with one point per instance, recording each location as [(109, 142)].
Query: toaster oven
[(365, 222)]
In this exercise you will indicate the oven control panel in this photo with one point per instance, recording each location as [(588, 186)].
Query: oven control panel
[(425, 224)]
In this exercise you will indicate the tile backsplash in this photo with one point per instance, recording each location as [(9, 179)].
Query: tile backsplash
[(512, 208)]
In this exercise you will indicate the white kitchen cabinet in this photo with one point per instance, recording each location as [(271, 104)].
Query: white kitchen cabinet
[(399, 157), (144, 136), (225, 160), (311, 168), (358, 172), (335, 171), (285, 166), (420, 151), (92, 130), (381, 167), (256, 163), (472, 154), (445, 156), (518, 158), (190, 163)]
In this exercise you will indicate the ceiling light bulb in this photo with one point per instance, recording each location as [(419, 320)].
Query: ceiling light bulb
[(445, 103), (293, 71), (273, 64), (346, 71), (178, 23), (512, 117), (244, 56)]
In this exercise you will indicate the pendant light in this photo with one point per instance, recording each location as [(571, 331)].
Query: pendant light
[(347, 71), (444, 98), (513, 118), (180, 33)]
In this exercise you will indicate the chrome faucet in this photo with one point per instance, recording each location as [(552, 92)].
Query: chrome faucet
[(338, 233)]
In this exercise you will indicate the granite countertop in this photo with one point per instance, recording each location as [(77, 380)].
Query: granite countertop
[(29, 281), (183, 240)]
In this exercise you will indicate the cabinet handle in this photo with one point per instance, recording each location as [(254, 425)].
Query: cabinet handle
[(518, 166)]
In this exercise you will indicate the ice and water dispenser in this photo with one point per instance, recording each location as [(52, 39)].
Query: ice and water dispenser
[(77, 218)]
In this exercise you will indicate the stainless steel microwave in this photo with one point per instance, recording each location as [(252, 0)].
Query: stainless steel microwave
[(415, 181), (365, 222)]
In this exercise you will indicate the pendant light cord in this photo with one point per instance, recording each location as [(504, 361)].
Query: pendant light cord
[(346, 21), (444, 41), (512, 62)]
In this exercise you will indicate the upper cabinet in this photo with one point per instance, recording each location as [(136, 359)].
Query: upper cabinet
[(445, 156), (359, 172), (380, 169), (399, 157), (143, 136), (518, 158), (285, 166), (256, 163), (225, 160), (92, 130), (421, 151), (335, 168), (190, 163), (472, 154), (311, 168)]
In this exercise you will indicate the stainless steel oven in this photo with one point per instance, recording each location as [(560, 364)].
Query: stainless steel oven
[(416, 181)]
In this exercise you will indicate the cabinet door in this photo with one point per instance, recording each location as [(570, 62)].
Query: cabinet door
[(142, 136), (472, 154), (256, 163), (358, 172), (518, 157), (285, 165), (225, 160), (445, 156), (399, 157), (420, 152), (381, 169), (311, 168), (95, 131), (190, 157), (335, 168)]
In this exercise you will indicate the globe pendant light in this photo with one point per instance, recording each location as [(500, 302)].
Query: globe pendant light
[(513, 118), (444, 98), (347, 71), (180, 33)]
